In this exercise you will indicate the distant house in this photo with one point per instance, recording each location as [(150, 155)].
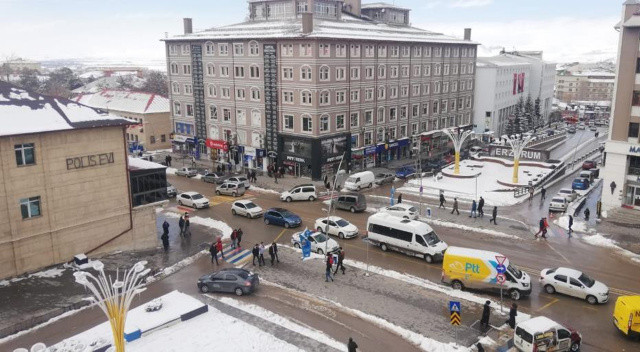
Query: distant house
[(102, 82)]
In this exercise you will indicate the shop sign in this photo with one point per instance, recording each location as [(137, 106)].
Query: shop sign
[(250, 151), (217, 144), (272, 154), (82, 162), (261, 153), (370, 150), (296, 159), (335, 158), (527, 154), (635, 150), (179, 138)]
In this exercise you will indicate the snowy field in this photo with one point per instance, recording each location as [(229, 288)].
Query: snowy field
[(486, 183)]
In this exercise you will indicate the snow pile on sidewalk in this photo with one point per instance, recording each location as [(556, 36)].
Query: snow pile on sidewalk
[(45, 274), (208, 222), (601, 241), (177, 266), (263, 190), (578, 226), (172, 171), (468, 228)]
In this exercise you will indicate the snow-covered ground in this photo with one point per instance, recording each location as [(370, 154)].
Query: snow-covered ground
[(208, 222), (49, 273), (263, 190)]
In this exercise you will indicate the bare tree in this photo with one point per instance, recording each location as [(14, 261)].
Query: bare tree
[(156, 82)]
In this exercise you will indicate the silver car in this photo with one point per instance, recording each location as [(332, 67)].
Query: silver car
[(239, 179), (382, 178), (231, 189), (187, 172), (213, 177)]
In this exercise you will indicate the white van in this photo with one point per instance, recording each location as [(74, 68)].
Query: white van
[(359, 180), (300, 192), (410, 237), (543, 334)]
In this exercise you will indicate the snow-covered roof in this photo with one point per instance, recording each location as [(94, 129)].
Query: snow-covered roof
[(348, 27), (141, 164), (382, 5), (501, 60), (594, 73), (23, 112), (112, 82), (122, 100), (538, 324)]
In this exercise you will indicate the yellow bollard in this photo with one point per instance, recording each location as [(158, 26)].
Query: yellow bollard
[(516, 164), (456, 168)]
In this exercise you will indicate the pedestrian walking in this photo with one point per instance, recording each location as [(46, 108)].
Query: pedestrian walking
[(272, 254), (253, 176), (181, 225), (513, 312), (530, 194), (218, 168), (480, 206), (543, 193), (234, 238), (165, 235), (546, 226), (329, 264), (213, 250), (256, 254), (570, 224), (193, 161), (224, 168), (455, 206), (494, 216), (486, 314), (399, 198), (474, 209), (479, 347), (167, 160), (187, 224), (270, 171), (239, 237), (586, 214), (442, 201), (275, 177), (351, 345), (219, 247), (340, 260), (261, 254), (275, 251), (613, 186)]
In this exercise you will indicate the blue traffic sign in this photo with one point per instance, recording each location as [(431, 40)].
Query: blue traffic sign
[(501, 269), (454, 306)]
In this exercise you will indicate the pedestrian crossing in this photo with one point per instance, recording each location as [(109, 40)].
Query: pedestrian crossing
[(237, 257)]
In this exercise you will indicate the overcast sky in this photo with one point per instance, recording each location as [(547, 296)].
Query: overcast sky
[(566, 30)]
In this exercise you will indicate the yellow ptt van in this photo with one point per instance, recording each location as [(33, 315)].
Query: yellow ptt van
[(626, 315)]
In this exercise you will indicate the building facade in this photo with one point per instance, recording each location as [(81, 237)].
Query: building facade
[(303, 88), (584, 87), (65, 183), (150, 111), (621, 172)]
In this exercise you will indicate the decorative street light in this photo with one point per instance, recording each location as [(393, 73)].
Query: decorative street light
[(517, 146), (458, 139), (114, 297)]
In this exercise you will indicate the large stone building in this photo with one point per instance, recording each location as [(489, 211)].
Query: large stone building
[(584, 87), (622, 163), (302, 83), (150, 111), (502, 80), (64, 183)]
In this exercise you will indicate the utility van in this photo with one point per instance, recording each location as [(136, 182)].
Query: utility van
[(406, 236), (626, 315), (544, 334), (359, 180), (477, 269)]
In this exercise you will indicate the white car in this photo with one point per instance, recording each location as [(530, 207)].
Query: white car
[(318, 241), (301, 192), (246, 208), (187, 172), (574, 283), (569, 194), (558, 203), (239, 179), (337, 227), (193, 199), (401, 210)]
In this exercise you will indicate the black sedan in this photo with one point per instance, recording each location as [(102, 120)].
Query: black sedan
[(236, 280)]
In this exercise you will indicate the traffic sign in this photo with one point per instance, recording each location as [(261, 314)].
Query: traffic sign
[(454, 306), (501, 269), (501, 259), (501, 278), (456, 311), (455, 319)]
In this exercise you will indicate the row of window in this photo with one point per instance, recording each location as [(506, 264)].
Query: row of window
[(25, 156), (221, 49), (152, 139)]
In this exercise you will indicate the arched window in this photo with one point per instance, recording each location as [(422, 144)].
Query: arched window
[(209, 48), (213, 112), (324, 123), (214, 132), (255, 93), (324, 97), (380, 115), (254, 48), (256, 117), (305, 97), (211, 69), (174, 68), (175, 88), (324, 73), (305, 73), (256, 139), (211, 89), (307, 123)]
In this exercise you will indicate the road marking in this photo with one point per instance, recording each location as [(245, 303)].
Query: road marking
[(279, 235), (555, 300), (621, 292), (558, 253)]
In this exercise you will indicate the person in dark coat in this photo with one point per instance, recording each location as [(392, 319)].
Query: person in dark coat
[(340, 260), (486, 314), (570, 224), (213, 250), (442, 201), (165, 235), (187, 223), (513, 312), (272, 254), (480, 206), (275, 251), (474, 209), (543, 192), (238, 237), (494, 216), (181, 225), (586, 214), (399, 198), (479, 347), (218, 168), (256, 252), (352, 345), (167, 160), (613, 186), (327, 273), (455, 206)]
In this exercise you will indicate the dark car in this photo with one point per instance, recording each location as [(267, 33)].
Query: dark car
[(236, 280), (213, 177), (588, 165), (405, 172), (434, 165), (353, 202), (281, 217)]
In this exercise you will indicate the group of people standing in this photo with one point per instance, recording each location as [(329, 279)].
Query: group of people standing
[(330, 261), (184, 224), (477, 208), (275, 172), (258, 253)]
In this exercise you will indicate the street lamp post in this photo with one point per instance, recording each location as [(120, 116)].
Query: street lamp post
[(517, 146), (457, 139), (418, 149), (114, 297), (333, 189)]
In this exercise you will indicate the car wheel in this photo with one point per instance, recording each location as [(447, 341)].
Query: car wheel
[(320, 251), (179, 202), (428, 258), (457, 285), (515, 295), (297, 245), (239, 291), (358, 188), (384, 247), (312, 198), (266, 221), (233, 211), (405, 217), (286, 225), (549, 289), (320, 229), (341, 236), (352, 209), (288, 199), (234, 194), (592, 300), (204, 288), (575, 347), (217, 192), (249, 216), (370, 184)]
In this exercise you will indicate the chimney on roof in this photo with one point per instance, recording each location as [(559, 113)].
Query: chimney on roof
[(467, 34), (353, 7), (188, 25), (307, 18)]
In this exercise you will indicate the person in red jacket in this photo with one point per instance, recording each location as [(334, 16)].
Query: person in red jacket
[(219, 247)]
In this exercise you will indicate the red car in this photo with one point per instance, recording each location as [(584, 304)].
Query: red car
[(588, 165)]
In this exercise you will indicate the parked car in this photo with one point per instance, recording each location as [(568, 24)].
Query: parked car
[(337, 227), (239, 179), (319, 242), (593, 128), (246, 208), (543, 334), (213, 177), (401, 210), (193, 199), (236, 280), (359, 180), (354, 202), (384, 177), (434, 165), (300, 192), (281, 217), (231, 189), (186, 171), (171, 190), (589, 164), (569, 194), (580, 183), (573, 283), (571, 130), (405, 172), (475, 150), (558, 203), (581, 126)]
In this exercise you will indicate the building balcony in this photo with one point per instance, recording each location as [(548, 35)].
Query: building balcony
[(635, 110)]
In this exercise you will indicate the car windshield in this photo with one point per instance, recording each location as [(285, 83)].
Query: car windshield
[(352, 179), (197, 196), (381, 176), (565, 191), (431, 238), (557, 200), (587, 281), (286, 214), (250, 205), (514, 271), (412, 209), (342, 223), (320, 238)]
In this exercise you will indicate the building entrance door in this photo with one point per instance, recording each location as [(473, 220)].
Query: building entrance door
[(636, 197)]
